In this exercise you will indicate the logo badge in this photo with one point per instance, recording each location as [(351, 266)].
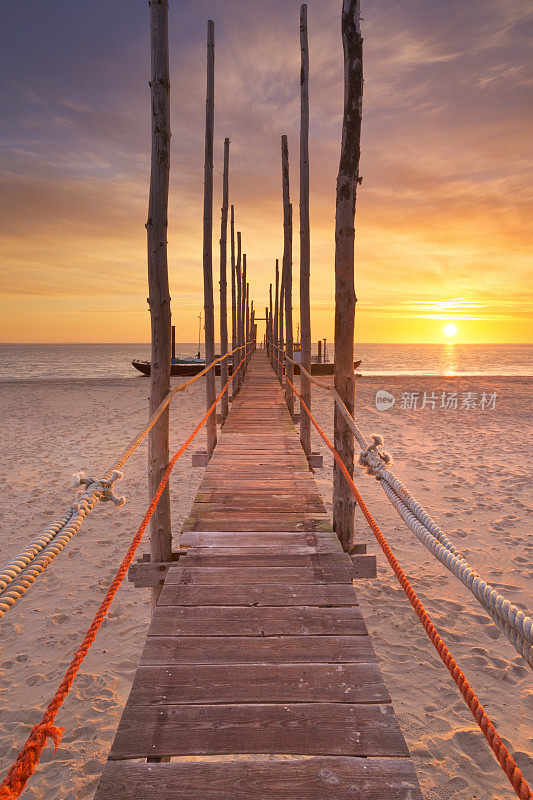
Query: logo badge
[(384, 400)]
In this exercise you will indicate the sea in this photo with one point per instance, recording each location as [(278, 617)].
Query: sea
[(104, 361)]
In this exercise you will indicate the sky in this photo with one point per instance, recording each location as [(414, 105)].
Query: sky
[(443, 224)]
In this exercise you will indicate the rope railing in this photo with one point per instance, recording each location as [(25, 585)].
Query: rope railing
[(28, 758), (23, 570), (512, 621), (504, 758)]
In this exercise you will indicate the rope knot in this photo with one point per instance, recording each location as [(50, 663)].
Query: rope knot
[(103, 485), (372, 449)]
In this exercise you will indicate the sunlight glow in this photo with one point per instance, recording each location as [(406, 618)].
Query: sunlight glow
[(450, 329)]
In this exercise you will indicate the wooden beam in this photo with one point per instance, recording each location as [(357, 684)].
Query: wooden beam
[(209, 314), (159, 296), (224, 408), (348, 178), (305, 247), (287, 267), (243, 318), (281, 334), (238, 278), (271, 327), (276, 321), (233, 289), (247, 320)]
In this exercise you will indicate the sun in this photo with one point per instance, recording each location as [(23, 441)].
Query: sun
[(450, 330)]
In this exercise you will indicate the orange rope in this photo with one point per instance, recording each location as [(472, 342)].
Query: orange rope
[(505, 759), (28, 758)]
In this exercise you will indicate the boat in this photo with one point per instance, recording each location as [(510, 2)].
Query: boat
[(319, 364), (185, 365), (322, 367), (180, 366)]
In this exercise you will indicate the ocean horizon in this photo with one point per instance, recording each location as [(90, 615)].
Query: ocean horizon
[(112, 360)]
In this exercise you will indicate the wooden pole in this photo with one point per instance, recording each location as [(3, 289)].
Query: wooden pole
[(238, 278), (247, 321), (173, 341), (345, 300), (276, 320), (267, 332), (319, 358), (223, 283), (159, 296), (233, 298), (305, 247), (287, 268), (243, 317), (271, 329), (281, 334), (209, 315)]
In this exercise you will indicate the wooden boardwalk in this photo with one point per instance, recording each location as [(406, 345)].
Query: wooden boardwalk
[(258, 678)]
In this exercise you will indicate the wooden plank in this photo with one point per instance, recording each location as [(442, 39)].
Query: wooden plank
[(297, 557), (268, 595), (232, 576), (258, 522), (265, 539), (319, 778), (258, 683), (301, 728), (256, 621), (162, 650)]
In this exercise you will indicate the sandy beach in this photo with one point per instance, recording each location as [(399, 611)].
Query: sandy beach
[(468, 466)]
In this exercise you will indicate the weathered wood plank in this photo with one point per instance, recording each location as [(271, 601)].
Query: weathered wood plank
[(268, 595), (302, 728), (256, 621), (295, 557), (258, 683), (162, 650), (263, 539), (319, 778), (258, 522), (232, 576)]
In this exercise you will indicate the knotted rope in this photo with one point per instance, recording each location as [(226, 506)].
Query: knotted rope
[(504, 758), (28, 758), (23, 570)]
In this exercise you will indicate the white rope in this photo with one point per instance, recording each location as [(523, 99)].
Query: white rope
[(517, 625)]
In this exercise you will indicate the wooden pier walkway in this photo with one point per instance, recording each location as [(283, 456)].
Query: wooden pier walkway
[(258, 678)]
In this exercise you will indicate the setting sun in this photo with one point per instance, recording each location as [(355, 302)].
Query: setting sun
[(450, 330)]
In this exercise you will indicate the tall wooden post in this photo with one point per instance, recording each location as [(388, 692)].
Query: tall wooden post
[(223, 283), (271, 317), (238, 279), (305, 248), (343, 500), (267, 331), (247, 322), (287, 268), (243, 316), (276, 321), (252, 325), (159, 296), (209, 314), (281, 335), (233, 298)]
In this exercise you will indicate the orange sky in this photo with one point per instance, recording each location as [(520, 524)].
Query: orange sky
[(443, 220)]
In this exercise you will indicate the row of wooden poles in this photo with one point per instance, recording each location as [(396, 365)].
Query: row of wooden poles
[(279, 326), (243, 313)]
